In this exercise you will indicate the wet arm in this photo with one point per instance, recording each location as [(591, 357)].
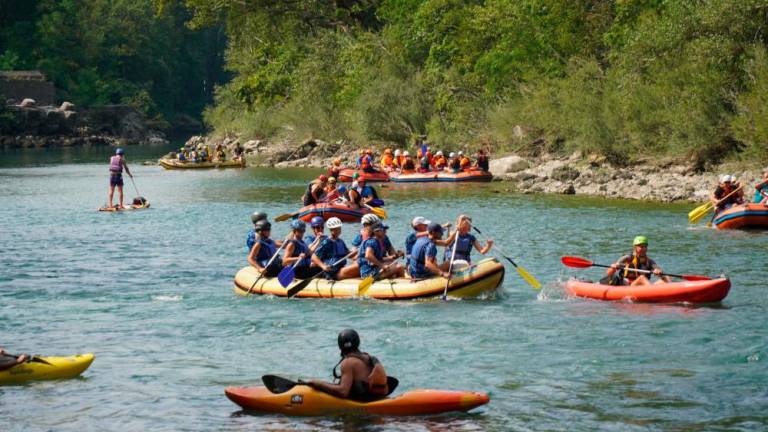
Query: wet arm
[(252, 256)]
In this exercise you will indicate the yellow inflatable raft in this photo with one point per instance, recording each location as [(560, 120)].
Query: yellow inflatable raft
[(47, 368), (482, 277), (176, 164)]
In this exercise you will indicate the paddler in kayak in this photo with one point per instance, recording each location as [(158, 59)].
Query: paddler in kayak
[(423, 262), (621, 272), (727, 193), (264, 249), (761, 190), (466, 241), (8, 361), (250, 239), (116, 166), (362, 376), (297, 252), (315, 190), (373, 259), (331, 251)]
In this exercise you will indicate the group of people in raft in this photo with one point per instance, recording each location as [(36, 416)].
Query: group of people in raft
[(425, 161), (201, 154), (730, 192), (325, 189), (372, 252)]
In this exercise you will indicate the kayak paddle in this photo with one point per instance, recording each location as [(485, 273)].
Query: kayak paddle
[(576, 262), (268, 264), (303, 284), (450, 265), (277, 384), (532, 281), (698, 213)]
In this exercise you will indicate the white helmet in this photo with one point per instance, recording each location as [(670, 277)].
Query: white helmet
[(333, 222), (439, 153), (397, 152), (461, 153), (369, 219), (452, 155), (405, 153)]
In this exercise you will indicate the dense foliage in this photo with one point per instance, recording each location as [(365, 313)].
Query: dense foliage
[(115, 51), (623, 78)]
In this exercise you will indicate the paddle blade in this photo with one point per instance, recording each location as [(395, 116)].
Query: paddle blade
[(298, 287), (380, 212), (699, 212), (286, 276), (277, 384), (576, 262), (695, 278), (364, 285), (284, 217), (529, 278)]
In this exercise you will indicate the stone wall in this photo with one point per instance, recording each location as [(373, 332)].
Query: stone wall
[(20, 85)]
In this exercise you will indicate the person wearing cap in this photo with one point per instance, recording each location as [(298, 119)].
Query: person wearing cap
[(761, 190), (419, 225), (622, 271), (373, 259), (465, 241), (360, 159), (297, 252), (250, 239), (727, 193), (329, 256), (423, 262), (315, 190), (264, 249), (116, 165), (317, 224)]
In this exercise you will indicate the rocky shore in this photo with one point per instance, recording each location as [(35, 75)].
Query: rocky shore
[(26, 125), (665, 181)]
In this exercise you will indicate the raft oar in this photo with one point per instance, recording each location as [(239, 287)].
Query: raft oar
[(532, 281), (286, 216), (287, 274), (695, 215), (450, 265), (366, 283), (378, 211), (268, 264), (576, 262), (303, 284)]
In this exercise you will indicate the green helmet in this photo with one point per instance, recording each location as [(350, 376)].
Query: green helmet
[(640, 240)]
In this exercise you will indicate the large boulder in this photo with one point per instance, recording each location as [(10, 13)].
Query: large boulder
[(509, 164), (28, 103)]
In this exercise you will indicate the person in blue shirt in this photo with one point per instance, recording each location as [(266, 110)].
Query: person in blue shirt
[(368, 193), (419, 225), (263, 251), (318, 233), (466, 241), (297, 252), (761, 190), (423, 262), (333, 250), (250, 238), (372, 257)]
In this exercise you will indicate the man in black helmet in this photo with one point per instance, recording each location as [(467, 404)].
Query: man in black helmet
[(255, 217), (362, 376)]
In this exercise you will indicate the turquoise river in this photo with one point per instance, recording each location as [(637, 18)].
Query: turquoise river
[(150, 293)]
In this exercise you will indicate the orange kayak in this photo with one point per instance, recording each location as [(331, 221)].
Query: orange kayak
[(751, 215), (707, 291), (302, 400)]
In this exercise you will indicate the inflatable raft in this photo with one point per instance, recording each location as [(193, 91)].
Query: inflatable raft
[(441, 176), (482, 277), (176, 164), (303, 400), (749, 216), (329, 210), (345, 175), (708, 291), (47, 368)]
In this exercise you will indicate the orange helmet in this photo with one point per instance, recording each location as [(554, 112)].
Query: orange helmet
[(337, 161)]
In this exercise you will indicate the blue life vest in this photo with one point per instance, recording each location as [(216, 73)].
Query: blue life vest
[(250, 240), (463, 248), (331, 251), (299, 248), (366, 267), (423, 248), (267, 250)]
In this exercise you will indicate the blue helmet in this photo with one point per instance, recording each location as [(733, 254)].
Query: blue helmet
[(298, 225), (119, 151), (316, 221), (342, 189)]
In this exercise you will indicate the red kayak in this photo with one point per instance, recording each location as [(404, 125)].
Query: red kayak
[(345, 175), (329, 210), (706, 291)]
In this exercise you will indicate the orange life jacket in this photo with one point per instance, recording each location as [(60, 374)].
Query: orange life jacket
[(465, 163), (387, 160)]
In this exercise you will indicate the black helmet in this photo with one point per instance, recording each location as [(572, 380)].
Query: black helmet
[(262, 225), (349, 340), (257, 216)]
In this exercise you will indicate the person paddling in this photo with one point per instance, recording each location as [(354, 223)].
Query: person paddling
[(250, 239), (423, 262), (372, 257), (621, 272), (466, 241), (761, 190), (116, 165), (329, 256), (264, 249), (362, 376), (727, 193), (8, 361), (297, 253)]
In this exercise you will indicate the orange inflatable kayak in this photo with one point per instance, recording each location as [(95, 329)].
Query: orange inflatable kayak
[(752, 216), (707, 291), (302, 400)]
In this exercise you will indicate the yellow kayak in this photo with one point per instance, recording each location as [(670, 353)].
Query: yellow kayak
[(47, 368)]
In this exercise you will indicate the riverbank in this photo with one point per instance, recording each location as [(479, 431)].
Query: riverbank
[(577, 174)]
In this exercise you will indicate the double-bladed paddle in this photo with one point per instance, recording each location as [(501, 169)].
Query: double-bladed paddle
[(303, 284), (576, 262), (277, 384), (532, 281)]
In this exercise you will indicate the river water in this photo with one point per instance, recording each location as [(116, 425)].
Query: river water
[(150, 293)]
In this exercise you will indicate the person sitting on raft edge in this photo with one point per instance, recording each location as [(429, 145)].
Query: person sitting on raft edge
[(297, 252), (332, 251), (423, 262), (250, 238), (372, 256), (264, 249), (362, 376), (621, 272), (315, 190)]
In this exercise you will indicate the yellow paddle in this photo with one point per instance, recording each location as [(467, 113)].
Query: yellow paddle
[(699, 212), (366, 283), (378, 211), (532, 281)]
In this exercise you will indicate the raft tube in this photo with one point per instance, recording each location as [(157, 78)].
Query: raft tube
[(345, 175), (303, 400), (176, 164), (708, 291), (441, 176), (482, 277), (744, 216), (59, 368), (329, 210)]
